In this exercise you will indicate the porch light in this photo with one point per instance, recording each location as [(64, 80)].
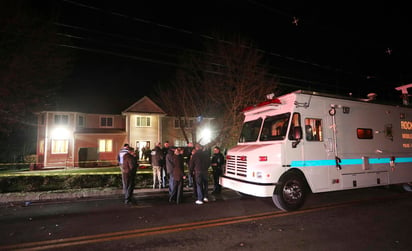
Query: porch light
[(60, 133)]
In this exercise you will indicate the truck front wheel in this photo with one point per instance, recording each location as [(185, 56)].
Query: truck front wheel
[(290, 194)]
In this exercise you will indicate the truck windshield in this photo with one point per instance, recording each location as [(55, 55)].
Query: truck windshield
[(250, 131), (275, 127)]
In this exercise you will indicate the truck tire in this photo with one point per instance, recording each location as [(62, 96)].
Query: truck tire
[(290, 194)]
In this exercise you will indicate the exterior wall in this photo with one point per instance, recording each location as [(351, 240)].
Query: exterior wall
[(144, 134), (92, 141), (75, 137), (41, 135), (175, 135), (55, 131), (93, 121)]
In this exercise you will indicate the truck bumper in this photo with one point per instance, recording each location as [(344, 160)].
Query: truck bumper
[(247, 187)]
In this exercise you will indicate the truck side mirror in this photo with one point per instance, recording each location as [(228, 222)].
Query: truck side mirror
[(297, 135)]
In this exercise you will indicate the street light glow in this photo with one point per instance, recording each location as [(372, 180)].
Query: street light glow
[(205, 136)]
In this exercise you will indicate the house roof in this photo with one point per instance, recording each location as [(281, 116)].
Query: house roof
[(145, 105)]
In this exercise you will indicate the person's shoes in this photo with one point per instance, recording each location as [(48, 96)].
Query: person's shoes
[(205, 200), (199, 202)]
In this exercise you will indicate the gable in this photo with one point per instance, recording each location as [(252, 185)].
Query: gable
[(144, 105)]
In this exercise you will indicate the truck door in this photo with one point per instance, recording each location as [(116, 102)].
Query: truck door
[(310, 154), (315, 152)]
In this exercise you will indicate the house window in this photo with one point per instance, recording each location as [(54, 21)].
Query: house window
[(184, 123), (105, 145), (142, 121), (42, 119), (106, 121), (60, 146), (41, 147), (61, 119), (80, 121)]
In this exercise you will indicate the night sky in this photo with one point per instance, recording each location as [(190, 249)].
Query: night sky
[(125, 48)]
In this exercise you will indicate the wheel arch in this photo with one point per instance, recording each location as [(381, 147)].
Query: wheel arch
[(299, 172)]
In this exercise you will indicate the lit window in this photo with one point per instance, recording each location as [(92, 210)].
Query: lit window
[(106, 121), (61, 119), (41, 147), (142, 121), (60, 146), (105, 145)]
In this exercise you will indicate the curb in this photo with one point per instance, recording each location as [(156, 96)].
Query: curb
[(30, 197)]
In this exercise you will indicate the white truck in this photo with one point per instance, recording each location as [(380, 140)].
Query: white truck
[(307, 141)]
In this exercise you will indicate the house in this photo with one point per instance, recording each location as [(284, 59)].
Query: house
[(71, 139), (67, 139)]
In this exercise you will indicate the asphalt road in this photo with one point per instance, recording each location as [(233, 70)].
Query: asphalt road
[(363, 219)]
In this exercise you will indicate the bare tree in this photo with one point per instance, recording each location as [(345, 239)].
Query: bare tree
[(219, 83), (32, 66)]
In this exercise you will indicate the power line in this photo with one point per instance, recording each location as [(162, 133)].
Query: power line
[(208, 37), (99, 51), (184, 31)]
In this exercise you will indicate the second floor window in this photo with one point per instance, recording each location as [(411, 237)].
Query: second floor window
[(80, 121), (106, 121), (142, 121), (61, 119), (183, 123)]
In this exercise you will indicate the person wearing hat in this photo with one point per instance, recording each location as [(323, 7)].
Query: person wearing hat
[(218, 160)]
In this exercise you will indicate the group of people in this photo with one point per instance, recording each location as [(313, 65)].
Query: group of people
[(168, 164)]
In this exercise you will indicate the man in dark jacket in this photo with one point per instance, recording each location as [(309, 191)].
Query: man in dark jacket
[(165, 150), (122, 152), (156, 159), (129, 169), (178, 176), (217, 163), (170, 164), (200, 165)]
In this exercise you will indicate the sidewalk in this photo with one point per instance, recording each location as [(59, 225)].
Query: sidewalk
[(30, 197)]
